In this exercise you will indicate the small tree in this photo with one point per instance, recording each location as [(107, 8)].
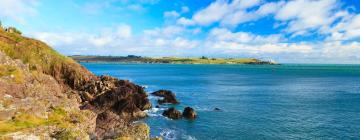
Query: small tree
[(203, 57), (13, 30)]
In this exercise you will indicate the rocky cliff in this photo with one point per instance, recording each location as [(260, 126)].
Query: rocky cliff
[(44, 95)]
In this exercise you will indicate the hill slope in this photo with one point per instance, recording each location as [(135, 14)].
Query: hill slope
[(45, 95)]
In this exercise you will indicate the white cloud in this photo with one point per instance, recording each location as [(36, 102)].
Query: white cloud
[(222, 34), (243, 4), (120, 41), (138, 1), (324, 52), (169, 41), (124, 31), (185, 21), (168, 31), (269, 8), (230, 14), (317, 14), (258, 50), (238, 17), (298, 17), (16, 9), (341, 51), (106, 37), (213, 13), (348, 28), (171, 14)]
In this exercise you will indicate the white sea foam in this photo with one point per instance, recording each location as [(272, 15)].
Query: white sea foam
[(154, 112), (154, 97), (198, 108), (168, 134), (188, 137)]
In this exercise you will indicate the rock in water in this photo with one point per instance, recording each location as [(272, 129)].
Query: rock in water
[(169, 96), (189, 113), (217, 109), (172, 113)]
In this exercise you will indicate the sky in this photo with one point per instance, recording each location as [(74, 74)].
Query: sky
[(294, 31)]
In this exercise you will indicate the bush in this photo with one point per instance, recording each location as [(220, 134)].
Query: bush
[(203, 57), (13, 30)]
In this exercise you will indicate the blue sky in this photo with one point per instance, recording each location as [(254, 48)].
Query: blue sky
[(297, 31)]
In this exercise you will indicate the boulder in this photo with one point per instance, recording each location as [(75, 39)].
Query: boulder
[(189, 113), (172, 113), (168, 97)]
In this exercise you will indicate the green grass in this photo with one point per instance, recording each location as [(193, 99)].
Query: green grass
[(21, 122), (16, 73), (57, 117)]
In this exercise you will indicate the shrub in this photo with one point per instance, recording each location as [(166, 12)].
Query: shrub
[(13, 30)]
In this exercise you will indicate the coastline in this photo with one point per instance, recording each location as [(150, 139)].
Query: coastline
[(169, 60)]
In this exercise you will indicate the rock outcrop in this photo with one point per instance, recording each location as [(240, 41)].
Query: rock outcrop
[(32, 106), (168, 97), (189, 113), (172, 113)]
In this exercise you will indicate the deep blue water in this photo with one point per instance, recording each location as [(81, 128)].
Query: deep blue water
[(257, 101)]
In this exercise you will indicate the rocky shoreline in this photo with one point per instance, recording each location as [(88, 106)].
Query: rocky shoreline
[(44, 95)]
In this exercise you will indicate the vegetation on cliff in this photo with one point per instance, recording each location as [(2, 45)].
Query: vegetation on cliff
[(42, 58)]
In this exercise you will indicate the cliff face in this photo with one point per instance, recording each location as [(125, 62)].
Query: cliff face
[(46, 95)]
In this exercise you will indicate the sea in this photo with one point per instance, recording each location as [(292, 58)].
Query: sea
[(270, 102)]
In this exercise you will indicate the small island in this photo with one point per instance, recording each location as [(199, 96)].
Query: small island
[(170, 60)]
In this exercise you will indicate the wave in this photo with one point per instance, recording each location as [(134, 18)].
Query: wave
[(171, 134), (198, 108), (168, 134), (188, 137), (154, 97), (154, 112)]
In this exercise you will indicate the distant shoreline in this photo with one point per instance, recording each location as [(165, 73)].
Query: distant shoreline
[(168, 60)]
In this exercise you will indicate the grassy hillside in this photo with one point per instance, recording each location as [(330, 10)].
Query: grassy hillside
[(42, 58), (44, 95)]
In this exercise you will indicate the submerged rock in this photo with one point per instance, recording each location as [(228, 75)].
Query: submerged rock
[(189, 113), (217, 109), (168, 97), (172, 113)]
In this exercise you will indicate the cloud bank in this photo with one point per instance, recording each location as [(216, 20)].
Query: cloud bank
[(301, 31)]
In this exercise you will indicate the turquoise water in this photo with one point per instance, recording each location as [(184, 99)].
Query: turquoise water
[(257, 101)]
